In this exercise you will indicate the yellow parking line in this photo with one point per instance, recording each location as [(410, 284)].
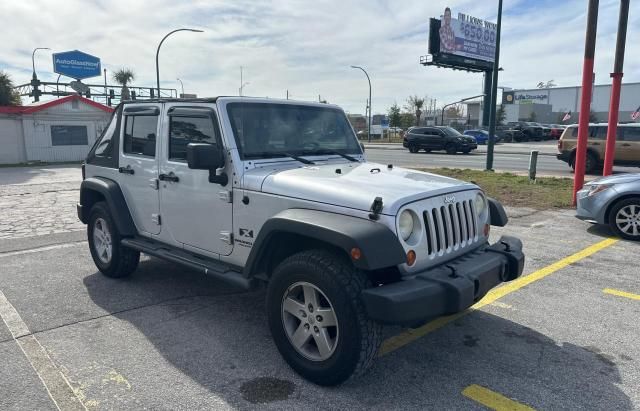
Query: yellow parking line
[(621, 293), (409, 336), (493, 400)]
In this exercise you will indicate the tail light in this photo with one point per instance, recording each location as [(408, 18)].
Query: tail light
[(560, 144), (83, 174)]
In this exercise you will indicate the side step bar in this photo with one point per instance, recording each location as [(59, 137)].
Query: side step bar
[(209, 267)]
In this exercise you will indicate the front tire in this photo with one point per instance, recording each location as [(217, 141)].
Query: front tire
[(624, 219), (451, 148), (317, 318), (111, 258), (413, 148)]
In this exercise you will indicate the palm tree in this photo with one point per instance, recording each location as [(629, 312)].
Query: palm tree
[(8, 96), (414, 105), (123, 77)]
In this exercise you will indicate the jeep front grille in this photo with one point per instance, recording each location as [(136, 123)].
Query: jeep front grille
[(450, 227)]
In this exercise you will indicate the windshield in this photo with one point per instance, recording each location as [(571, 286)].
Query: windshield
[(264, 130), (451, 131)]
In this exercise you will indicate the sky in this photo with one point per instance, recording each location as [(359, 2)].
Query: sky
[(307, 47)]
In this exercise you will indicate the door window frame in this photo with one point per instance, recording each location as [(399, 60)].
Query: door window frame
[(191, 112), (140, 111)]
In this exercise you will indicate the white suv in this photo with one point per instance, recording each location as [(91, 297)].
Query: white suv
[(260, 192)]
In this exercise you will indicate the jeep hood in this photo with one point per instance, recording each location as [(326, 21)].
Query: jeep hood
[(354, 185)]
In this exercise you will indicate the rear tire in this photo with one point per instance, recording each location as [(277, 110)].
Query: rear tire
[(624, 219), (111, 258), (300, 332)]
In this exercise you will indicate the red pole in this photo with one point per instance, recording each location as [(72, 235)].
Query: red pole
[(585, 99), (617, 74)]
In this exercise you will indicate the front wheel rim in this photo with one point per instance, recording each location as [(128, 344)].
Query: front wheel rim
[(309, 321), (628, 220), (102, 240)]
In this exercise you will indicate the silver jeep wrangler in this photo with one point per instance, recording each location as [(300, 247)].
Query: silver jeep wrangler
[(260, 192)]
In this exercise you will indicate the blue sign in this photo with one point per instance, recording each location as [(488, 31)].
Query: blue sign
[(76, 64)]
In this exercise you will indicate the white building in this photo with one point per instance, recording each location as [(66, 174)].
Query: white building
[(551, 104), (52, 131)]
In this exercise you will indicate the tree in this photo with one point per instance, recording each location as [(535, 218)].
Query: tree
[(593, 117), (532, 117), (414, 106), (394, 115), (501, 115), (8, 96), (407, 120), (454, 111), (123, 77)]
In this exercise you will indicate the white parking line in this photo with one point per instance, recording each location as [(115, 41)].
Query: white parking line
[(54, 381), (40, 249)]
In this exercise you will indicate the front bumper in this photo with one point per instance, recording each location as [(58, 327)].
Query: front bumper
[(446, 289)]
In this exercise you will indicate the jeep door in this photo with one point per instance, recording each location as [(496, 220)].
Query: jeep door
[(138, 165), (196, 214)]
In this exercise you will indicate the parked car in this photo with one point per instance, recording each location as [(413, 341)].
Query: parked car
[(438, 138), (509, 135), (546, 130), (277, 194), (482, 136), (615, 201), (556, 131), (627, 146), (531, 130)]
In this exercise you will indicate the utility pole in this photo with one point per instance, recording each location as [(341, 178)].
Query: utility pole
[(105, 88), (494, 93), (35, 83), (585, 99), (369, 105), (617, 74)]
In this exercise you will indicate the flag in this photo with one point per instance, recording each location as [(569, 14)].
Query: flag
[(636, 114), (566, 117)]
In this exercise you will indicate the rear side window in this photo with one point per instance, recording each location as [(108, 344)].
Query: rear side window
[(630, 133), (185, 130), (140, 135), (104, 146)]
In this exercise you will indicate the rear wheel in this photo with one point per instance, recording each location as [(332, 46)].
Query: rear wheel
[(624, 219), (590, 163), (111, 258), (317, 318)]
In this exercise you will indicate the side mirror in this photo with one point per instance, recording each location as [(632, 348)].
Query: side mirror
[(207, 157), (204, 156)]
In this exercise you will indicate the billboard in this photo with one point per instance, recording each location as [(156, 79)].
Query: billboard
[(76, 64), (465, 42)]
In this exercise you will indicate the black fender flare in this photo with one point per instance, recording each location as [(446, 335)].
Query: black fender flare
[(498, 217), (112, 194), (379, 246)]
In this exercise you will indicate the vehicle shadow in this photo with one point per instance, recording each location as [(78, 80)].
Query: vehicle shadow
[(220, 340)]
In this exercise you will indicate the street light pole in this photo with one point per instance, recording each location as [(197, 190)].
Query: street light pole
[(369, 80), (181, 85), (34, 79), (457, 102), (33, 61), (494, 93), (158, 53)]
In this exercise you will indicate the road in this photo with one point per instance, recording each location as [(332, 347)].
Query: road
[(171, 338), (507, 158)]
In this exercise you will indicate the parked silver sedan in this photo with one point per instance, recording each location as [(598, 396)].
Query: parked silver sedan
[(613, 200)]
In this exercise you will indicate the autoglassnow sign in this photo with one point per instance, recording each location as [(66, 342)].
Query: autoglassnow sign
[(76, 64)]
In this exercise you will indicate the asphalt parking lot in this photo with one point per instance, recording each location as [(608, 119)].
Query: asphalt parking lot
[(565, 336)]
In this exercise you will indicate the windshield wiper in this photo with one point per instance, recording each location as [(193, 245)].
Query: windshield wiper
[(334, 152), (272, 154)]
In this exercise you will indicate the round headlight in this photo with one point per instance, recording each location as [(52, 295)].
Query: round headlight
[(405, 224), (480, 203)]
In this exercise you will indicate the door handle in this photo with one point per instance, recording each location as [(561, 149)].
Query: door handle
[(626, 145), (595, 144), (169, 177), (125, 170)]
